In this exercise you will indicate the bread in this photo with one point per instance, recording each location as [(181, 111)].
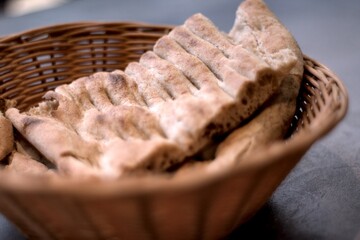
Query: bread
[(25, 165), (195, 84), (7, 139), (273, 119), (6, 132), (85, 124)]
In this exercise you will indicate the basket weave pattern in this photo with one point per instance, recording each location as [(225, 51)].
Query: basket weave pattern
[(199, 207)]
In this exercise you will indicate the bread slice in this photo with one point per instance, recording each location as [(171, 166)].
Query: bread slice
[(7, 138), (256, 27), (233, 81), (269, 126), (273, 120), (6, 131), (196, 83)]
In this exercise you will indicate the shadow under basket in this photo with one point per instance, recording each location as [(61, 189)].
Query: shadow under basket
[(194, 206)]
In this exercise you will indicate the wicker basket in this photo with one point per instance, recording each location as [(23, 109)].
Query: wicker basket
[(195, 206)]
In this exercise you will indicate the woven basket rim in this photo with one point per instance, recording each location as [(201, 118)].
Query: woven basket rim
[(159, 183)]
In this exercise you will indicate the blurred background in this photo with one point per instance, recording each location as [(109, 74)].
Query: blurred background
[(320, 197), (22, 7)]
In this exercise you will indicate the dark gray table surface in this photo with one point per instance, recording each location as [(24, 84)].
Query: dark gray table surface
[(320, 199)]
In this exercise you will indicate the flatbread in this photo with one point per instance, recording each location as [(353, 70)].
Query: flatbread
[(273, 120), (233, 79), (256, 27), (269, 126), (196, 83)]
